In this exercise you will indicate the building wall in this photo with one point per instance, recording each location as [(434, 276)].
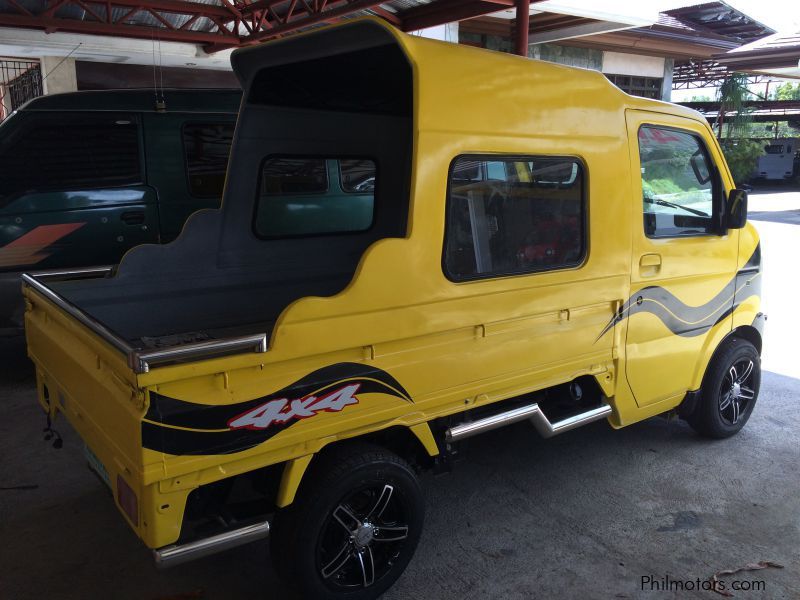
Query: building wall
[(567, 55), (633, 64), (106, 76), (58, 74), (635, 73)]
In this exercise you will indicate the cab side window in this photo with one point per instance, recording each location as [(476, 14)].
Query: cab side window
[(509, 216), (677, 184)]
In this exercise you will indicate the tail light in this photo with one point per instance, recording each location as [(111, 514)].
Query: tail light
[(127, 500)]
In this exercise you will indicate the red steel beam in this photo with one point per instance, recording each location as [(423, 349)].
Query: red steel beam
[(169, 6), (522, 24), (322, 16), (115, 29), (264, 19)]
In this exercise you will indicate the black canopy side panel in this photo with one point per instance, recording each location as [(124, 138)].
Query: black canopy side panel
[(217, 278)]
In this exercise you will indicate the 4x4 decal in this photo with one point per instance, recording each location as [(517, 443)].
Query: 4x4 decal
[(283, 410), (187, 428)]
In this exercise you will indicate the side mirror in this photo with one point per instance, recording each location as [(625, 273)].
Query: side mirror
[(736, 210), (700, 167)]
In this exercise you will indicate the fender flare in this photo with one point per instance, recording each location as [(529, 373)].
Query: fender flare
[(295, 468)]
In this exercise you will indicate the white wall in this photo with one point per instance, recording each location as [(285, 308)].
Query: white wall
[(58, 74), (617, 63), (446, 33)]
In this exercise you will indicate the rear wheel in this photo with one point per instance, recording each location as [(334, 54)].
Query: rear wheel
[(353, 528), (730, 390)]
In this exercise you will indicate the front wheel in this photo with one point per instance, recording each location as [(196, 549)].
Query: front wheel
[(729, 392), (353, 528)]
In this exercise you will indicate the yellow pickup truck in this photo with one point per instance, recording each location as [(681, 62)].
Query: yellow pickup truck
[(419, 242)]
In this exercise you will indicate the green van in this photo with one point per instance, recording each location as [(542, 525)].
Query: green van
[(86, 176)]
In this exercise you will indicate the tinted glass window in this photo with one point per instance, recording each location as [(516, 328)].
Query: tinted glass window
[(677, 186), (207, 147), (70, 154), (282, 176), (315, 196), (357, 176), (774, 149), (513, 215)]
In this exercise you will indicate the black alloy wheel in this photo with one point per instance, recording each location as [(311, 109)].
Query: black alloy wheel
[(729, 391), (362, 538), (353, 527)]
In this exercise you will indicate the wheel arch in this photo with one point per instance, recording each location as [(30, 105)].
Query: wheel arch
[(414, 443), (746, 332)]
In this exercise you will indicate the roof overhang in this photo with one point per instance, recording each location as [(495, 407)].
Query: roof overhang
[(556, 20), (777, 55)]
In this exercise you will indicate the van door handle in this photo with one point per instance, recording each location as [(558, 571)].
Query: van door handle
[(134, 217), (649, 264)]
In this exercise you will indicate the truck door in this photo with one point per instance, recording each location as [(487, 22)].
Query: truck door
[(187, 158), (684, 264), (72, 190)]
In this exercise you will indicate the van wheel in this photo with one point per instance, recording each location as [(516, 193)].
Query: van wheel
[(729, 392), (353, 528)]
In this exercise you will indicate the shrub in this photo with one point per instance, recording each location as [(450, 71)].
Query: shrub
[(742, 157)]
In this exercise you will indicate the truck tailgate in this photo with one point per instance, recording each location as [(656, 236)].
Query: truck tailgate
[(88, 381)]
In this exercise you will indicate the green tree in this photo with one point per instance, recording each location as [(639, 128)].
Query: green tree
[(787, 91), (742, 157), (732, 95)]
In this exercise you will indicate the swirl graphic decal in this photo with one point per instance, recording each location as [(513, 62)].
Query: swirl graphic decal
[(186, 428), (689, 321)]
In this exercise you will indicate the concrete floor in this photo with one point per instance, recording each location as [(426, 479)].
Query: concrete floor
[(585, 515)]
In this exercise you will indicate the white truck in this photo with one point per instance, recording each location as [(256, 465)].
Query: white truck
[(777, 164)]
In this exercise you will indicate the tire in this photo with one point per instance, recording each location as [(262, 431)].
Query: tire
[(353, 528), (729, 391)]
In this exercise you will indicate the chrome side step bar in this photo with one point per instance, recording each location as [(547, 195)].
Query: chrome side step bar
[(177, 554), (536, 416)]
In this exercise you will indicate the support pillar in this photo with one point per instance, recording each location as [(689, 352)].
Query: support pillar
[(523, 22), (58, 74)]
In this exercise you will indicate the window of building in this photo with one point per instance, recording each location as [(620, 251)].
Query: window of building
[(315, 196), (207, 147), (514, 215), (677, 183), (71, 154), (646, 87)]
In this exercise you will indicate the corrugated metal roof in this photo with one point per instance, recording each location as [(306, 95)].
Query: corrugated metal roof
[(778, 40), (70, 11), (722, 19)]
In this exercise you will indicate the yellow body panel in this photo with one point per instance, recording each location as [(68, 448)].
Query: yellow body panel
[(452, 346)]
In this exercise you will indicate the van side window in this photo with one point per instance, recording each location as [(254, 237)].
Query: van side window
[(75, 153), (516, 215), (207, 147), (677, 184), (302, 197)]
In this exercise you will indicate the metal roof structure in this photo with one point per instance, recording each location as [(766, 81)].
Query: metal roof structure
[(759, 111), (721, 19), (777, 55), (695, 32), (222, 24)]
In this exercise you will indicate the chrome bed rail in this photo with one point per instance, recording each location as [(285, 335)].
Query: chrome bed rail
[(139, 360)]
